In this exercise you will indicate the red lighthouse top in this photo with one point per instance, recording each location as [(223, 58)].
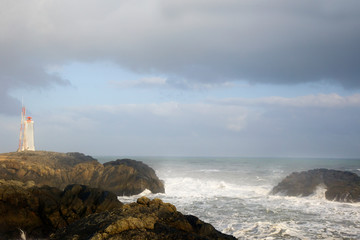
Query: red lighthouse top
[(29, 118)]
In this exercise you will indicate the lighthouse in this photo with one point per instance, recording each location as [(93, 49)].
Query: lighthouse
[(26, 139)]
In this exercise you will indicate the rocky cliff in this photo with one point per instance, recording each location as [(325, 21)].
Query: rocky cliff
[(122, 177), (340, 186)]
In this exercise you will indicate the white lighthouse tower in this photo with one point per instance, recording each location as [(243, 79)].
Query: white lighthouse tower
[(26, 139)]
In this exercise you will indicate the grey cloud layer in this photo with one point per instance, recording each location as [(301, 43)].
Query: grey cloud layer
[(277, 129), (309, 101), (279, 42)]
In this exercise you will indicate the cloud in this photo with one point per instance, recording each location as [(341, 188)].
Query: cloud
[(168, 84), (191, 45), (310, 101), (197, 42), (316, 126), (22, 71), (148, 82), (8, 104), (202, 129), (237, 123), (172, 116)]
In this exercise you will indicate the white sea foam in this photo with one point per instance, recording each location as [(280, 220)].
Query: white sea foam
[(208, 170), (233, 197), (248, 212), (319, 192), (22, 234), (129, 199), (268, 230), (207, 188)]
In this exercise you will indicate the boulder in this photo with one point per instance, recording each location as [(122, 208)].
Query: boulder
[(340, 186), (123, 177), (145, 219), (39, 211), (132, 176)]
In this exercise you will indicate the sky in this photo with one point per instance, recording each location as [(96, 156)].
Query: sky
[(241, 78)]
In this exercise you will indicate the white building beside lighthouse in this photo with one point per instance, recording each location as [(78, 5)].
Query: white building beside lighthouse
[(26, 139)]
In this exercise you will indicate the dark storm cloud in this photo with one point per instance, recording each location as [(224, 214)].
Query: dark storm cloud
[(214, 41), (8, 104), (16, 74), (24, 55), (278, 42)]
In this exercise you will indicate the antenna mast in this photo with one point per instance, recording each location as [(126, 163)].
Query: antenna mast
[(22, 129)]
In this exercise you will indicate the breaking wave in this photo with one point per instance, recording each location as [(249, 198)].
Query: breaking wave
[(235, 200)]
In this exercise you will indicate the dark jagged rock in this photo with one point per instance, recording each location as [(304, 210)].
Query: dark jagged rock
[(146, 219), (123, 177), (132, 182), (39, 211), (80, 212), (340, 186)]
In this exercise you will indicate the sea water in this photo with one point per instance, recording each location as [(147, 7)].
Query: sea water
[(232, 194)]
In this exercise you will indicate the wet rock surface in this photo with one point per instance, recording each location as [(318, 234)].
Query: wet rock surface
[(80, 212), (340, 186), (39, 211), (123, 177), (145, 219)]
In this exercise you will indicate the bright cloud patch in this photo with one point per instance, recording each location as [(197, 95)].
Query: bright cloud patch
[(320, 100), (146, 82)]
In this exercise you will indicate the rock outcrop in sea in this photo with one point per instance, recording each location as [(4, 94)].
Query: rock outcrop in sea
[(145, 219), (340, 186), (122, 177)]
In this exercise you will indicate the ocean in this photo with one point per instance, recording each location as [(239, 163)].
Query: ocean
[(232, 194)]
